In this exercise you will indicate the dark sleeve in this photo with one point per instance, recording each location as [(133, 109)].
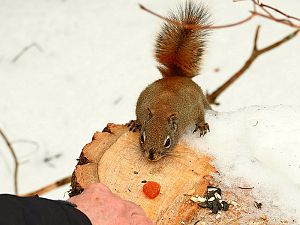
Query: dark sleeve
[(39, 211)]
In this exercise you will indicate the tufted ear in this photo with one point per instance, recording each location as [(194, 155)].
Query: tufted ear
[(173, 121)]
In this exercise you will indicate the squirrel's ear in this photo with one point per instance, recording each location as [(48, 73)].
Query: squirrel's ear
[(173, 121), (163, 71), (149, 114)]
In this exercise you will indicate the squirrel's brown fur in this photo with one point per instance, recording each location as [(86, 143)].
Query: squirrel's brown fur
[(179, 50), (168, 106)]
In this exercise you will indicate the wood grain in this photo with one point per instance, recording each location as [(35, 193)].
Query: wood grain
[(114, 158)]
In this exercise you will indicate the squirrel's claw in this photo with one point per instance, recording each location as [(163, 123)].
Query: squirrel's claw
[(133, 126), (203, 128)]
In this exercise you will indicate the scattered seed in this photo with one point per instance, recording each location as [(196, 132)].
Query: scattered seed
[(194, 199), (211, 199), (264, 217), (218, 196), (220, 206), (203, 204), (200, 199), (215, 207), (246, 188), (212, 189), (225, 205), (197, 199), (257, 205), (215, 189), (209, 205), (233, 203)]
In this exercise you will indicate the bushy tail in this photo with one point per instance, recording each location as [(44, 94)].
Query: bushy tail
[(179, 50)]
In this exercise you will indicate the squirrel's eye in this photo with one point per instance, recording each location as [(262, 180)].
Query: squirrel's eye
[(167, 143), (143, 137)]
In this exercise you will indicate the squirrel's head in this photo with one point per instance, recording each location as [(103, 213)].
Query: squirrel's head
[(159, 135)]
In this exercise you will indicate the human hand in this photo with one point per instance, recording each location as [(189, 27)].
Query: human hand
[(103, 207)]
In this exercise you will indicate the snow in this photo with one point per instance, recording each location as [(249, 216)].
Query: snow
[(257, 145), (95, 59)]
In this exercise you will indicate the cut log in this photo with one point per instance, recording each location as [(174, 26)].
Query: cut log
[(114, 158)]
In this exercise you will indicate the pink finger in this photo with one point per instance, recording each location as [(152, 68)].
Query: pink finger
[(140, 220)]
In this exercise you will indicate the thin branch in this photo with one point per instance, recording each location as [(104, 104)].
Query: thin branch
[(256, 3), (256, 39), (285, 22), (253, 13), (12, 151), (271, 17), (280, 12), (255, 53), (196, 27), (264, 6), (25, 49), (278, 43), (266, 11), (49, 187)]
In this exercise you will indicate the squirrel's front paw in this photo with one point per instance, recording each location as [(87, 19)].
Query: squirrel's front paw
[(134, 126), (202, 127)]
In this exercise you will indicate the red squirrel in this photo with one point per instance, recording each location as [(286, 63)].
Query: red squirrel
[(168, 106)]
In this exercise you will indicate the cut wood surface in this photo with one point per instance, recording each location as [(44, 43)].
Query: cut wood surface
[(114, 158)]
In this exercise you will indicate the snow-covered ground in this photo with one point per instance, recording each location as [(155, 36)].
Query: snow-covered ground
[(95, 57), (258, 146)]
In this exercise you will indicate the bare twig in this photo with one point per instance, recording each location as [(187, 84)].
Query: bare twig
[(265, 10), (271, 17), (280, 12), (196, 27), (285, 22), (12, 151), (255, 53), (25, 49), (253, 13), (49, 187)]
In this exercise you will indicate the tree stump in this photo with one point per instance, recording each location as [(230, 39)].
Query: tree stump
[(114, 158)]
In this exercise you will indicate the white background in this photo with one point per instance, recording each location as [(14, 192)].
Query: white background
[(95, 59)]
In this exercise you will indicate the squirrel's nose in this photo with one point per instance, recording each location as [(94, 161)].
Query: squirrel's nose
[(151, 154)]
